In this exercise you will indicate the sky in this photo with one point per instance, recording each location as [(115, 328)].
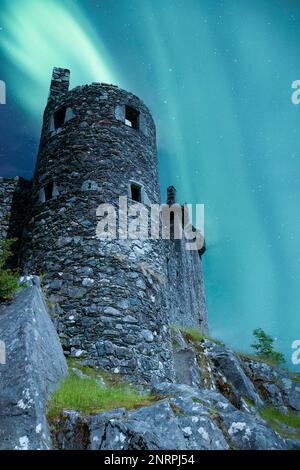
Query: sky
[(216, 75)]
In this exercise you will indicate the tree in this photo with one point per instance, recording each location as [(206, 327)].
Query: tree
[(264, 347), (9, 279)]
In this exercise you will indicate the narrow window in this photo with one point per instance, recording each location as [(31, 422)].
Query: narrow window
[(49, 191), (59, 117), (136, 192), (89, 186), (132, 117)]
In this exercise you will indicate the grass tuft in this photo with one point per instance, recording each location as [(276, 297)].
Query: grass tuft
[(294, 377), (253, 357), (88, 396), (197, 336)]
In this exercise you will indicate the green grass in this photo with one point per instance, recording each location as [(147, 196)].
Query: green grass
[(197, 336), (253, 357), (249, 402), (88, 397), (9, 284), (294, 377), (9, 278), (288, 425)]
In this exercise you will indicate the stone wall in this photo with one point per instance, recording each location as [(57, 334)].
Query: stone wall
[(186, 292), (14, 197), (186, 287)]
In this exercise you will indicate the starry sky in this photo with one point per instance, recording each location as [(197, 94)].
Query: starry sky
[(217, 77)]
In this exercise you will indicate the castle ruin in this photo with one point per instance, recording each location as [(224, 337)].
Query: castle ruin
[(112, 302)]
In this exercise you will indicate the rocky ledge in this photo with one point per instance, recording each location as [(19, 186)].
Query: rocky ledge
[(222, 405)]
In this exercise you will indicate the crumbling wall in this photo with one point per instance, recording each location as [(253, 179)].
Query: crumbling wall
[(14, 200), (186, 287)]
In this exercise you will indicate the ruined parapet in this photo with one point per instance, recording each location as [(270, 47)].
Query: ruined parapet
[(186, 292), (186, 287), (60, 82), (108, 298)]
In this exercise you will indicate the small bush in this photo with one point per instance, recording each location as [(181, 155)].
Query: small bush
[(264, 347), (9, 279), (87, 396)]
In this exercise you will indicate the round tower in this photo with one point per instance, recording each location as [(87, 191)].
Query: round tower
[(107, 298)]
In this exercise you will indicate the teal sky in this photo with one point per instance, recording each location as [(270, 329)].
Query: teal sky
[(217, 77)]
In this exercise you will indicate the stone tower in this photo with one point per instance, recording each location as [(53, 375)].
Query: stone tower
[(108, 299), (112, 301)]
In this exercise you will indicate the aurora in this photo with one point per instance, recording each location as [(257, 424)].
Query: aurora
[(43, 33), (2, 92), (217, 78)]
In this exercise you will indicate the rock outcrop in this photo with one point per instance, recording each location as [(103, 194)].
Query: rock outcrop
[(216, 402), (33, 367), (217, 408), (190, 419)]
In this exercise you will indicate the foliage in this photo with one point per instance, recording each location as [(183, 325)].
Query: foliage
[(9, 279), (88, 396), (264, 347)]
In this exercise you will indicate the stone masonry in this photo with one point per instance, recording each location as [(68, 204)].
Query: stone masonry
[(14, 200)]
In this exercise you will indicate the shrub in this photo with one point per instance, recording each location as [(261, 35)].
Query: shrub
[(264, 347), (9, 279)]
